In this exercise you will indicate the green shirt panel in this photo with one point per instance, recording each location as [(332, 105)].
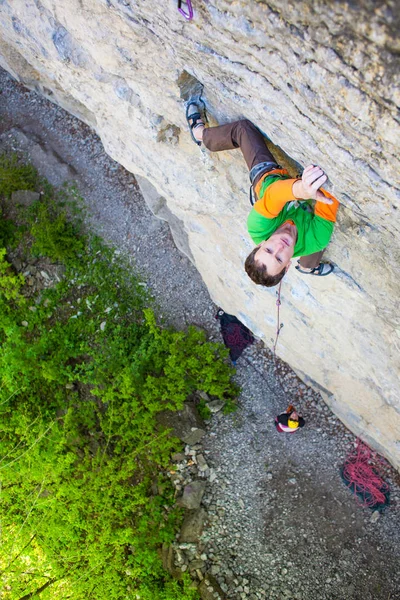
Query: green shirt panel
[(313, 232)]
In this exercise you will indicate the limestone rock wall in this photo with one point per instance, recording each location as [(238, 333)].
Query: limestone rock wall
[(321, 79)]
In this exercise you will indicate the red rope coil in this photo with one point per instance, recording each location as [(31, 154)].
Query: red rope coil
[(361, 469)]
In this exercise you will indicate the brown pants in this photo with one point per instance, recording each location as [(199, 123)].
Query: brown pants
[(245, 135)]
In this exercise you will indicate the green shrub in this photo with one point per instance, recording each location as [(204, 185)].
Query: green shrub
[(54, 235), (84, 370), (10, 283), (7, 230), (203, 410), (15, 175)]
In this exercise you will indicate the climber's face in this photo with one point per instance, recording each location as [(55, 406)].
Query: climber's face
[(276, 252)]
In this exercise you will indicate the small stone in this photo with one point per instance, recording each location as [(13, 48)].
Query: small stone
[(210, 589), (24, 323), (213, 476), (192, 495), (178, 457), (17, 264), (197, 447), (194, 436), (201, 463), (188, 547), (375, 516), (192, 526), (215, 405), (196, 564), (179, 557)]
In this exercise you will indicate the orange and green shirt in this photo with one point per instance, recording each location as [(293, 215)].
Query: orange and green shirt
[(276, 205)]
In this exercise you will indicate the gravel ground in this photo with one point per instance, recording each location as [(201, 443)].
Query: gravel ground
[(281, 524)]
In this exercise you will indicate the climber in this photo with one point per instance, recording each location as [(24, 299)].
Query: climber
[(289, 421), (281, 226)]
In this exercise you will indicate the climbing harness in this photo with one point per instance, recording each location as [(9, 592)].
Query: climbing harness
[(188, 13), (260, 169)]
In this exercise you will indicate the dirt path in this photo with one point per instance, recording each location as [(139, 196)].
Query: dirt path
[(281, 523)]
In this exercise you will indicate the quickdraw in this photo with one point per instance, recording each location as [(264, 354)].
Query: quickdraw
[(188, 13)]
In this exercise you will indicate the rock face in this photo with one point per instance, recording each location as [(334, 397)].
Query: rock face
[(321, 80)]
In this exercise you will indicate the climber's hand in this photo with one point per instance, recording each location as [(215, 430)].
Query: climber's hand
[(308, 186)]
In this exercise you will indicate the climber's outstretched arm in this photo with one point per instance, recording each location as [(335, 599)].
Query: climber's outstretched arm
[(309, 187), (276, 195)]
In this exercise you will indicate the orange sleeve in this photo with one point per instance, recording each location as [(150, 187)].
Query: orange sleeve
[(327, 211), (275, 197)]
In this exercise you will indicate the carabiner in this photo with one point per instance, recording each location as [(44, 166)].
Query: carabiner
[(189, 14)]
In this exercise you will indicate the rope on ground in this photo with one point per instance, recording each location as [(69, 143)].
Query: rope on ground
[(360, 473)]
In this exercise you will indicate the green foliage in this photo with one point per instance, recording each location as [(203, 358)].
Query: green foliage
[(7, 230), (203, 410), (230, 405), (56, 226), (84, 370), (15, 176), (54, 235), (10, 283)]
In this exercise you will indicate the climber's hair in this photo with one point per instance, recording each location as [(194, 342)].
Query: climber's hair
[(258, 272)]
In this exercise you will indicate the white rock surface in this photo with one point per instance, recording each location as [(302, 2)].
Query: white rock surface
[(321, 79)]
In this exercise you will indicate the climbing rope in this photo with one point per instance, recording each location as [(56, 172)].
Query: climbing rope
[(188, 13), (361, 475), (279, 325)]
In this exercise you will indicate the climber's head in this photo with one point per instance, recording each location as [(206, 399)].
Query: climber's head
[(269, 261)]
